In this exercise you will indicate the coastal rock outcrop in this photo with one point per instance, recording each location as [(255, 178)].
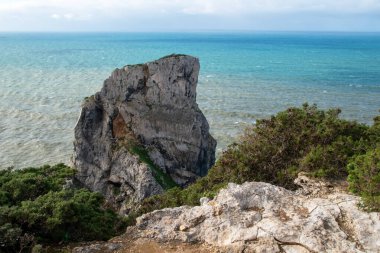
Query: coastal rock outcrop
[(258, 217), (142, 126)]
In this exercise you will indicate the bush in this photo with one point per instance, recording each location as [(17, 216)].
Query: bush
[(36, 209), (275, 150), (329, 161), (177, 196), (29, 183), (364, 178), (67, 215)]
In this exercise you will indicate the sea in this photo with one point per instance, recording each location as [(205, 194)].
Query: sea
[(245, 76)]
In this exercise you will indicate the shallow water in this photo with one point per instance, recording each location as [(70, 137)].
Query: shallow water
[(244, 77)]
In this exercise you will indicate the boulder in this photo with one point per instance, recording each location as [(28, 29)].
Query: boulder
[(143, 130)]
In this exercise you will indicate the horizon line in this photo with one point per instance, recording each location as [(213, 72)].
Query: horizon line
[(191, 31)]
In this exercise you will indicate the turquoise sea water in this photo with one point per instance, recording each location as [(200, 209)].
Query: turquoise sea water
[(244, 77)]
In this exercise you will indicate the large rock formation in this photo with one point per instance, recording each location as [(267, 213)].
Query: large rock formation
[(145, 119), (257, 217)]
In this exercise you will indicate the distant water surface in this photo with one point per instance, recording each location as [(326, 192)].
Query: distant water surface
[(244, 77)]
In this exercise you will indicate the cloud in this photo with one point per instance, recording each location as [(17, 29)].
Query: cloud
[(70, 16), (219, 14), (219, 7), (55, 16)]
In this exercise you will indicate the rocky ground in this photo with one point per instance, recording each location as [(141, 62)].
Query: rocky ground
[(256, 217), (131, 244)]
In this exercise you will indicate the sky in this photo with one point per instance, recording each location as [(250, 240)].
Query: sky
[(189, 15)]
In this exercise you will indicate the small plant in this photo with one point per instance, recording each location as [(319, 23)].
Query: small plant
[(89, 99), (132, 144), (162, 178)]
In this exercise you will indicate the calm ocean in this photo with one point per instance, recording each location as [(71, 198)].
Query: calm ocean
[(244, 76)]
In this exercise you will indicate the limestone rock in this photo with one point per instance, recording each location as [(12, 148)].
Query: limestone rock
[(150, 107), (259, 217)]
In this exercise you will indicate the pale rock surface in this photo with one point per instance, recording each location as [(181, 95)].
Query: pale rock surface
[(259, 217), (154, 105), (256, 217)]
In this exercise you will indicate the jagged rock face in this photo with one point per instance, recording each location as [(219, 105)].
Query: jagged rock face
[(153, 105), (259, 217)]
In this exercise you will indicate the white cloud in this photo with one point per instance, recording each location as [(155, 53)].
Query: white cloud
[(219, 7), (170, 14), (55, 16), (71, 16)]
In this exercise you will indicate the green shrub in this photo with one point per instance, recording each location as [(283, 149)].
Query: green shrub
[(36, 209), (364, 178), (329, 161), (29, 183), (67, 215), (10, 235)]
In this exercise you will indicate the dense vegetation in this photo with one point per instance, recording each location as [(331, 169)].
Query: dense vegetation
[(275, 150), (35, 208)]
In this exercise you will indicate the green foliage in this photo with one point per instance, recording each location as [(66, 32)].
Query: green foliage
[(9, 235), (35, 208), (364, 178), (134, 146), (162, 178), (329, 161), (173, 55), (307, 139), (275, 150), (177, 197), (65, 215), (29, 183)]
